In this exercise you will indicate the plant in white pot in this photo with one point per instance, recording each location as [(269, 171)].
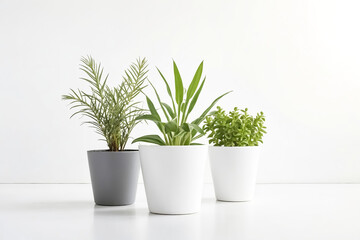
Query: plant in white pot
[(235, 154), (173, 168), (113, 113)]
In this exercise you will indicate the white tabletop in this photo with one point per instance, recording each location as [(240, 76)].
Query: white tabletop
[(279, 211)]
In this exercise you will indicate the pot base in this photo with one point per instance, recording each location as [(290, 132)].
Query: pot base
[(113, 204), (167, 213), (227, 200)]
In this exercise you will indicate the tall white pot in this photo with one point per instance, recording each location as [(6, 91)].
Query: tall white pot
[(173, 177), (234, 171)]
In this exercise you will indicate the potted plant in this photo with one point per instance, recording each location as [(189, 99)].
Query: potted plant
[(173, 168), (234, 156), (112, 112)]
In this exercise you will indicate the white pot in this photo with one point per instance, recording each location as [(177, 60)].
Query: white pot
[(234, 172), (173, 177)]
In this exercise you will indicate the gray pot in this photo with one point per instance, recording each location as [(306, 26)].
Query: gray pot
[(114, 176)]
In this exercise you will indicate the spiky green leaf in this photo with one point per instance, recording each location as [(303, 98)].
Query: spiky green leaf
[(195, 82), (203, 115), (179, 88), (152, 108), (195, 98), (170, 111)]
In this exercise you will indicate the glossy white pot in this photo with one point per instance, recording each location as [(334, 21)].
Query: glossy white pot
[(234, 171), (173, 177)]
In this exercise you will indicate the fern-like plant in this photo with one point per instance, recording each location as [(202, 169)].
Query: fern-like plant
[(111, 111), (235, 128), (176, 130)]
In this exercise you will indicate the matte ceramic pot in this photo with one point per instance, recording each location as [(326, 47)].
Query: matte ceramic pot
[(234, 171), (114, 176), (173, 177)]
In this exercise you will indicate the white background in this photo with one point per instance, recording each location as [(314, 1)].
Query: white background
[(298, 61)]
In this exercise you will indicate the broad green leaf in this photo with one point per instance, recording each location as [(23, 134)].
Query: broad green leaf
[(196, 144), (197, 128), (186, 127), (186, 139), (203, 115), (150, 139), (171, 126), (179, 89), (182, 108), (170, 111), (195, 82), (177, 140), (180, 133), (152, 108)]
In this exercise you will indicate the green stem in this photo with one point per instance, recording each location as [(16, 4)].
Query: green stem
[(179, 113), (166, 139), (183, 119)]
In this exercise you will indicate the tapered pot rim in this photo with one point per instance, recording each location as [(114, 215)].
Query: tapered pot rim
[(171, 146), (234, 147), (108, 151)]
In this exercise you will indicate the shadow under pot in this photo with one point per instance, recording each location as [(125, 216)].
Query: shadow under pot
[(173, 177), (114, 176), (234, 171)]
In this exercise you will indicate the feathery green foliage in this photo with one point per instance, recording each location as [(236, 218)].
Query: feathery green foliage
[(112, 112), (235, 128), (176, 130)]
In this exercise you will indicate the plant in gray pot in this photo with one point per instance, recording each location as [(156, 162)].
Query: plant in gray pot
[(235, 154), (113, 112), (173, 168)]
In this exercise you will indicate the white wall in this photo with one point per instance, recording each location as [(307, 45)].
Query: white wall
[(296, 60)]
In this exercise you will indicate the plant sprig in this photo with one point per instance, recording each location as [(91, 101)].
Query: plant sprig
[(112, 112), (235, 128), (176, 130)]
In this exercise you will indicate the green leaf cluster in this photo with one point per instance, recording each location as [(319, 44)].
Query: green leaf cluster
[(111, 111), (177, 130), (235, 128)]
